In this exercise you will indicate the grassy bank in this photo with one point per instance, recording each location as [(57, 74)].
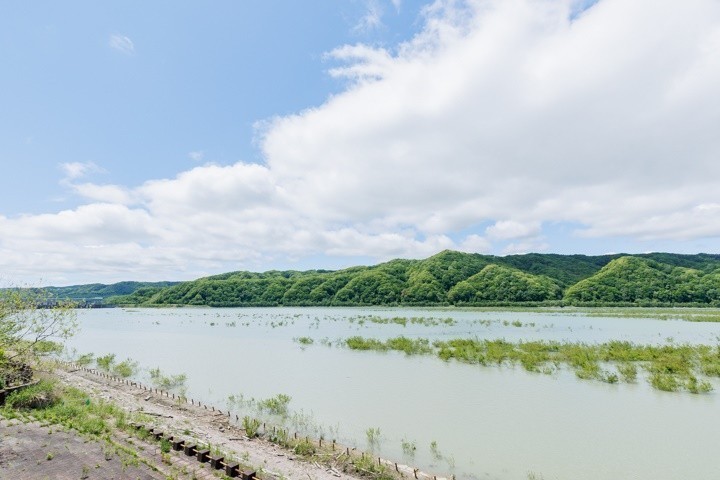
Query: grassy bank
[(54, 404)]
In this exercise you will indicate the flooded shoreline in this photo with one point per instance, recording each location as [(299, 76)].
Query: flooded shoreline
[(485, 422)]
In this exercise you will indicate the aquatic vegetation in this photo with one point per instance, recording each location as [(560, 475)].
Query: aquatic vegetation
[(304, 340), (408, 447), (85, 359), (126, 368), (670, 367), (435, 450), (277, 405), (105, 362), (251, 426), (168, 382), (628, 372), (373, 436)]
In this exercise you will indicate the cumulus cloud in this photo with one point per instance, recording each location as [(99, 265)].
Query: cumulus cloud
[(122, 44), (508, 113), (517, 109)]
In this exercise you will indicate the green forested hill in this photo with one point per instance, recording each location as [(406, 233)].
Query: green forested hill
[(99, 290), (633, 279), (455, 278)]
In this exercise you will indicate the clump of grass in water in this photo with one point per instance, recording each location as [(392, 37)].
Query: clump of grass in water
[(126, 368), (251, 426), (85, 359), (105, 362), (304, 340), (171, 383), (373, 437), (435, 451), (277, 405), (408, 447), (692, 385), (628, 372)]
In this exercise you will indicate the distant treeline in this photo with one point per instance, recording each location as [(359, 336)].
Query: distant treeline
[(93, 294), (461, 279)]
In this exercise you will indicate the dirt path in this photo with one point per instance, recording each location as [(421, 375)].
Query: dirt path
[(31, 451)]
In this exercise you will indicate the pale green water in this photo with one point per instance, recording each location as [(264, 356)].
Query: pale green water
[(488, 422)]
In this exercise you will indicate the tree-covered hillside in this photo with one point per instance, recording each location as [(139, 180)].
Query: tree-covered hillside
[(464, 279), (99, 290)]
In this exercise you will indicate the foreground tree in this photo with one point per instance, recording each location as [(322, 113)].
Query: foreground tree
[(32, 324)]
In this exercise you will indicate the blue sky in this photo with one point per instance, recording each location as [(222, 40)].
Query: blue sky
[(172, 140)]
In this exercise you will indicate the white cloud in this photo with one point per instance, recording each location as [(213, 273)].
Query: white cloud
[(122, 44), (510, 229), (512, 113), (515, 111), (104, 193), (372, 19), (475, 244), (75, 170)]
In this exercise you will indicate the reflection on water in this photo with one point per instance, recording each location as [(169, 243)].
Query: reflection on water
[(485, 422)]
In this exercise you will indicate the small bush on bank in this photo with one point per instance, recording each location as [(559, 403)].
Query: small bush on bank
[(41, 395)]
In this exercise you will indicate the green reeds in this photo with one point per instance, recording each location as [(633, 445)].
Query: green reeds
[(669, 367)]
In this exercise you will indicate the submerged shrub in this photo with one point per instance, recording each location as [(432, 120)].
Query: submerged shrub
[(628, 371), (694, 386), (105, 362), (251, 426), (277, 405), (664, 381), (126, 368)]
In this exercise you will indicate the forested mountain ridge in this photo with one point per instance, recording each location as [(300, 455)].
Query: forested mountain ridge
[(463, 279), (99, 290)]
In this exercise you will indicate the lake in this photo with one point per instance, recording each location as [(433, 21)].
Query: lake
[(485, 422)]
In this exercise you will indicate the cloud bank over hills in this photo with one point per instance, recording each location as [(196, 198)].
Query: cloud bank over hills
[(497, 119)]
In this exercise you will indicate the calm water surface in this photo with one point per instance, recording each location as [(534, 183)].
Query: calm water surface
[(488, 422)]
